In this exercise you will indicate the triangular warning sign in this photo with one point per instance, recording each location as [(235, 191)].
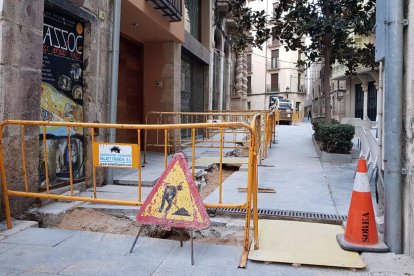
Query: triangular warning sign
[(174, 201)]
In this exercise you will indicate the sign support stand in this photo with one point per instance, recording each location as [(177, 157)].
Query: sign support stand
[(136, 239), (192, 247), (174, 202)]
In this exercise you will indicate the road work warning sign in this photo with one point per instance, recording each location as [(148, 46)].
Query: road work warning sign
[(174, 201)]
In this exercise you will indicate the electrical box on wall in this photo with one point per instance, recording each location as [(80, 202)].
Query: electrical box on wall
[(158, 84)]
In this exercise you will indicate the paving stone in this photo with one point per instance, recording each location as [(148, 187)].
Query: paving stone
[(17, 226), (38, 236)]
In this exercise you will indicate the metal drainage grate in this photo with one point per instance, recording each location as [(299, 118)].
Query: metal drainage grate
[(285, 214)]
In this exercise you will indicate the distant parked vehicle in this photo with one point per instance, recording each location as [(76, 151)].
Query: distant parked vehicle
[(274, 102), (285, 111)]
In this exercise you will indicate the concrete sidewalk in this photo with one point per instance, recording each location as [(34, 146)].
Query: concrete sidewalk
[(40, 251), (301, 181)]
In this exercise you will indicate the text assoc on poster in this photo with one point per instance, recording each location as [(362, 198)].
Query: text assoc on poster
[(62, 43)]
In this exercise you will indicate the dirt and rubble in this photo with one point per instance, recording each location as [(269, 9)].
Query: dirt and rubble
[(221, 231)]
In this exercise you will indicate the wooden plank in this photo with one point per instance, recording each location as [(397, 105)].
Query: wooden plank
[(302, 243)]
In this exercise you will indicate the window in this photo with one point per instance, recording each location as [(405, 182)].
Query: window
[(192, 22), (275, 59), (299, 87), (275, 41), (249, 85), (358, 42), (249, 105), (249, 63), (275, 4), (274, 82)]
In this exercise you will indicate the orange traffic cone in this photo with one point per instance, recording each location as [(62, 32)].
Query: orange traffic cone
[(361, 229)]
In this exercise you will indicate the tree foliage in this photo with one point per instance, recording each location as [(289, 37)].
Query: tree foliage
[(246, 21), (331, 26)]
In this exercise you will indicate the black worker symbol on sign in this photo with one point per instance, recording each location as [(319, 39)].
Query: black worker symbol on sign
[(170, 195)]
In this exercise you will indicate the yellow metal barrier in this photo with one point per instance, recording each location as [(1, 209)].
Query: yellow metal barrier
[(234, 141), (270, 133), (296, 118), (232, 137), (89, 129)]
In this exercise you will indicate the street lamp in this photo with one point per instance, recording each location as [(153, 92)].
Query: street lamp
[(287, 92)]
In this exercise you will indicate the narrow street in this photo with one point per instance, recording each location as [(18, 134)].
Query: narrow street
[(301, 184), (277, 136)]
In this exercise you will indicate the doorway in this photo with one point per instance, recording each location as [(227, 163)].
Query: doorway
[(359, 102), (372, 101), (130, 89)]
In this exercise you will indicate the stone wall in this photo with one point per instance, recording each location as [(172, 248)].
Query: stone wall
[(21, 30), (21, 27), (97, 75), (408, 134)]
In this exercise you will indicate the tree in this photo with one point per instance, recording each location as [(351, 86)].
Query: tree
[(247, 20), (331, 26)]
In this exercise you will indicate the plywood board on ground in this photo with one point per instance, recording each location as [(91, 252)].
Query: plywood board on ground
[(302, 243), (225, 160)]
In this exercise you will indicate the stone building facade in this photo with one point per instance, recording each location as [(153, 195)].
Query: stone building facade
[(272, 71), (21, 60), (166, 63)]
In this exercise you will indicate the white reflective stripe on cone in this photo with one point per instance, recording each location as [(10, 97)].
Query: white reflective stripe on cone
[(361, 183)]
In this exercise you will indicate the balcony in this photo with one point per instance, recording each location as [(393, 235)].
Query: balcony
[(169, 8), (339, 71), (273, 64), (273, 43), (222, 6), (275, 89)]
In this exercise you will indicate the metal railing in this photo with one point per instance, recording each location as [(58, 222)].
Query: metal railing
[(21, 185), (170, 8)]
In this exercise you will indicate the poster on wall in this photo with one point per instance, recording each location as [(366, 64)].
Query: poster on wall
[(61, 96)]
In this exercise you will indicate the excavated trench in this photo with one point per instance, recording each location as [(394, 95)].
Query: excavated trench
[(224, 229)]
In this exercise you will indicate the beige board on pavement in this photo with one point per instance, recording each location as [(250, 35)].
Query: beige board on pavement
[(302, 243)]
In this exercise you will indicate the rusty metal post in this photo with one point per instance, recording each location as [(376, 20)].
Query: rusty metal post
[(165, 148), (139, 167), (221, 168), (70, 162), (193, 152), (93, 165), (4, 183), (26, 184), (45, 157)]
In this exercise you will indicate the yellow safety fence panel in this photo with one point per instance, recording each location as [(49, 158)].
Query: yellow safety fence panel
[(232, 136), (102, 157)]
